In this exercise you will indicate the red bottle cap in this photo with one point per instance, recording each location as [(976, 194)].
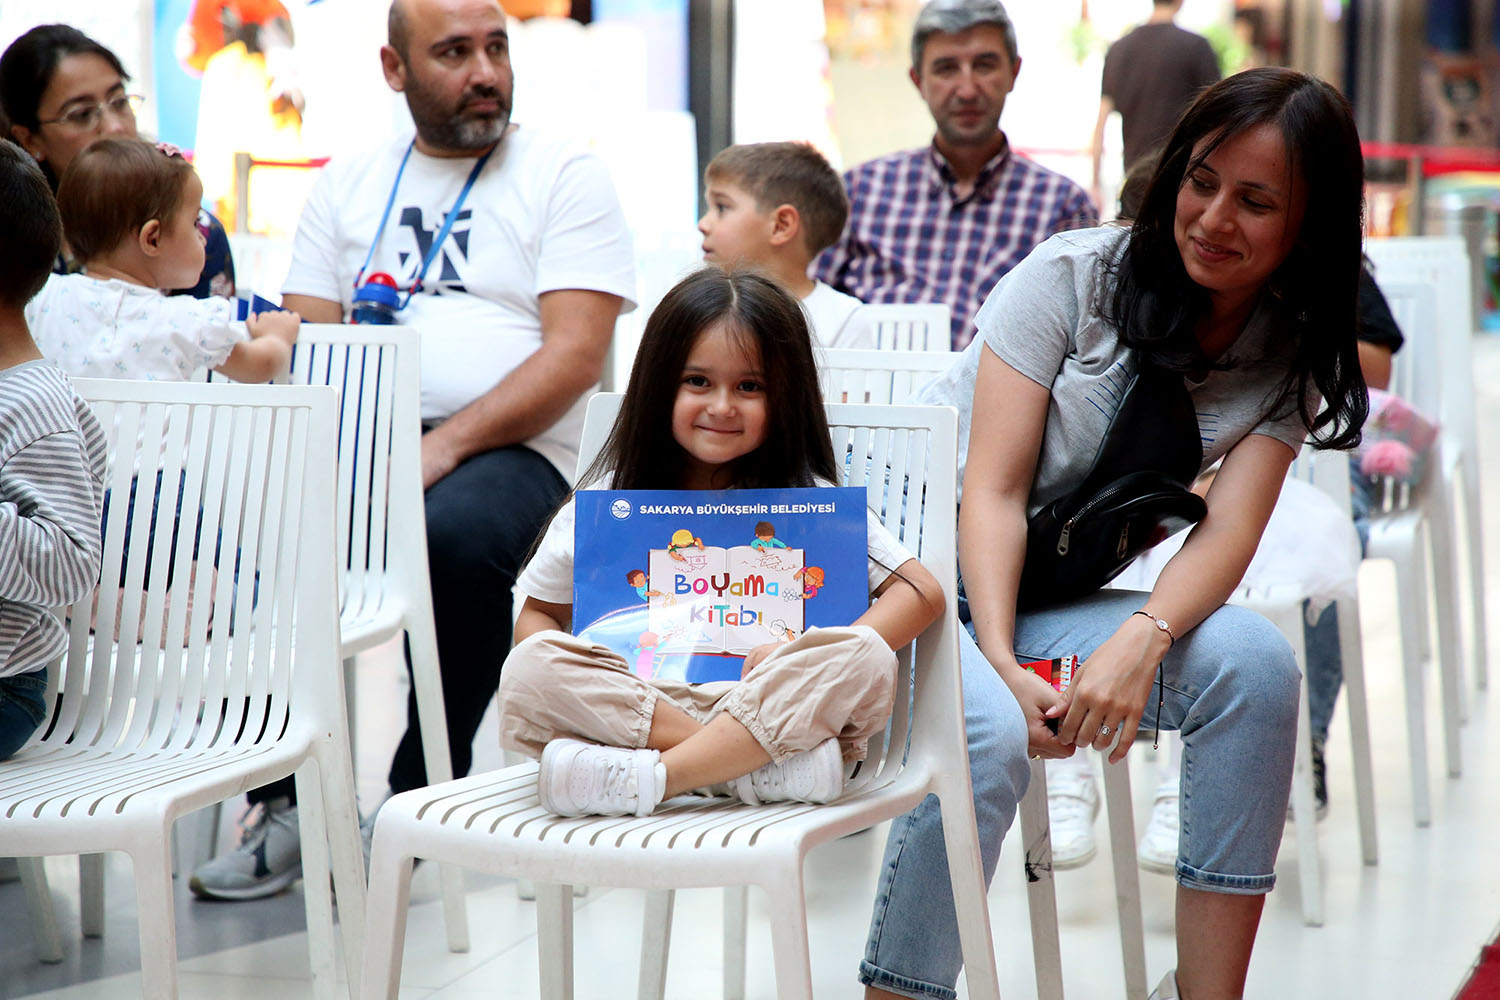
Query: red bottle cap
[(381, 278)]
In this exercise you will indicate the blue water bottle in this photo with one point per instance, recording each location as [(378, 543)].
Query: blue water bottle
[(376, 301)]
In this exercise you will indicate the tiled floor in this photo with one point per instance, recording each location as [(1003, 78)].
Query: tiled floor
[(1408, 928)]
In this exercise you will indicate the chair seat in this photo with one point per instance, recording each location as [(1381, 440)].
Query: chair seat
[(62, 781), (370, 618), (494, 822)]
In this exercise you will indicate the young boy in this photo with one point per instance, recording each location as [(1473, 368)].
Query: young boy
[(776, 206), (51, 463)]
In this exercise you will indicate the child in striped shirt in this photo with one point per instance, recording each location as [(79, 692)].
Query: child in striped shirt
[(52, 457)]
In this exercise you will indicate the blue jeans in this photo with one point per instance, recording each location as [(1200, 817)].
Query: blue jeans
[(1230, 687), (1325, 661), (23, 708)]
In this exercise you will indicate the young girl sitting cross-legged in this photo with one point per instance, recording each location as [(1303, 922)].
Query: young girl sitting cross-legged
[(724, 395)]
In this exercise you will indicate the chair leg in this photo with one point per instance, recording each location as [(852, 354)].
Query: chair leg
[(1480, 652), (351, 698), (1351, 650), (789, 932), (554, 940), (656, 942), (1041, 894), (1127, 877), (335, 773), (1411, 593), (736, 930), (1305, 814), (312, 822), (91, 894), (39, 905), (1449, 622), (966, 874), (152, 860), (428, 683), (385, 921)]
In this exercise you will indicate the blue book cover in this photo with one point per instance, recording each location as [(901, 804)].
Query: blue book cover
[(684, 583)]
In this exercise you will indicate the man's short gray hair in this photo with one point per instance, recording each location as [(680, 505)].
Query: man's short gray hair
[(950, 17)]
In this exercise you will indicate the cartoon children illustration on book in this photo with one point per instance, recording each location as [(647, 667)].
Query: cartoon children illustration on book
[(637, 579), (765, 537), (812, 578), (645, 654), (683, 539)]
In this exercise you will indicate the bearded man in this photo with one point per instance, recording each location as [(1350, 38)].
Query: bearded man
[(511, 256)]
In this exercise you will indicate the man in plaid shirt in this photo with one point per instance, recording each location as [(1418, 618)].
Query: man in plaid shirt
[(945, 222)]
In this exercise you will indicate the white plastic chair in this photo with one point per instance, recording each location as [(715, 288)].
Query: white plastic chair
[(1442, 263), (851, 375), (384, 588), (916, 326), (1412, 527), (494, 822), (149, 728)]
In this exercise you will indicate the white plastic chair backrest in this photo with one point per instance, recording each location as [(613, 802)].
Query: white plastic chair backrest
[(208, 664), (1442, 264), (1416, 369), (1326, 470), (910, 479), (377, 371), (916, 326), (851, 375)]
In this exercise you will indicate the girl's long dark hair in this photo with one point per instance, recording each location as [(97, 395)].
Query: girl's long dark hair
[(640, 452), (1313, 295)]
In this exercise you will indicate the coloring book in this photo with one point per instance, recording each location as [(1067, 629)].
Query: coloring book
[(684, 583)]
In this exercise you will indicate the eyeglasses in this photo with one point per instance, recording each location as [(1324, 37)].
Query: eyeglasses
[(86, 117)]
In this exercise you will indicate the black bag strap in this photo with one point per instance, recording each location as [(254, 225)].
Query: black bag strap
[(1155, 429)]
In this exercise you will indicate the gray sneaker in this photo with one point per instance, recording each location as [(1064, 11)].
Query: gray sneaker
[(268, 859)]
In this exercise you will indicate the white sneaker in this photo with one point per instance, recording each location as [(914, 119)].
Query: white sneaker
[(1158, 848), (585, 779), (1072, 805), (815, 775), (1167, 988)]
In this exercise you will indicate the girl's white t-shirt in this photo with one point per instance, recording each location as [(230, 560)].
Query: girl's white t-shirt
[(106, 328), (548, 576)]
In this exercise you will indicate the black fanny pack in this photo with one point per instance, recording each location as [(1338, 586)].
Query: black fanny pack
[(1134, 495)]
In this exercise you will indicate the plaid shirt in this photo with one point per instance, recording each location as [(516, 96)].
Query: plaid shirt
[(911, 239)]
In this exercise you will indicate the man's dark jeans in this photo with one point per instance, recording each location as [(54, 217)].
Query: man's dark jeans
[(482, 519)]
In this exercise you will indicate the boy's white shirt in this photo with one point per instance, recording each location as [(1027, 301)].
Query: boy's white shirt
[(107, 328), (828, 311)]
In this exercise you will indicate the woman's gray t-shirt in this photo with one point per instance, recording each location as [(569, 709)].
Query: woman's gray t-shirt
[(1043, 319)]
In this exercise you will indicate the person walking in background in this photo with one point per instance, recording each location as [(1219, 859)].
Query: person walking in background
[(1151, 75), (943, 223)]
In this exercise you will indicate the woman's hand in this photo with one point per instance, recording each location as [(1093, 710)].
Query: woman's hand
[(1039, 702), (1111, 688)]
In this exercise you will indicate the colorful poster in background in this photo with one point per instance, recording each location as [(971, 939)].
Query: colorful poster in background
[(683, 584), (177, 91)]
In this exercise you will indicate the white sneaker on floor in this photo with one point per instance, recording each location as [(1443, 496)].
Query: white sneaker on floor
[(1072, 806), (1167, 988), (1158, 848), (267, 860), (815, 775), (585, 779)]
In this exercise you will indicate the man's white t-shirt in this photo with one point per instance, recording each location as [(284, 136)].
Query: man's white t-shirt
[(828, 311), (541, 216)]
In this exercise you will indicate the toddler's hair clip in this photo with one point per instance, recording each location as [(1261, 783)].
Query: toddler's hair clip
[(169, 150)]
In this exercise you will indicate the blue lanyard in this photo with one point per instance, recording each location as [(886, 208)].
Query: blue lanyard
[(442, 235)]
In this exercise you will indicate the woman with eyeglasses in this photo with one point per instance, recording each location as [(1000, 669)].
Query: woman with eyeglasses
[(60, 90)]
